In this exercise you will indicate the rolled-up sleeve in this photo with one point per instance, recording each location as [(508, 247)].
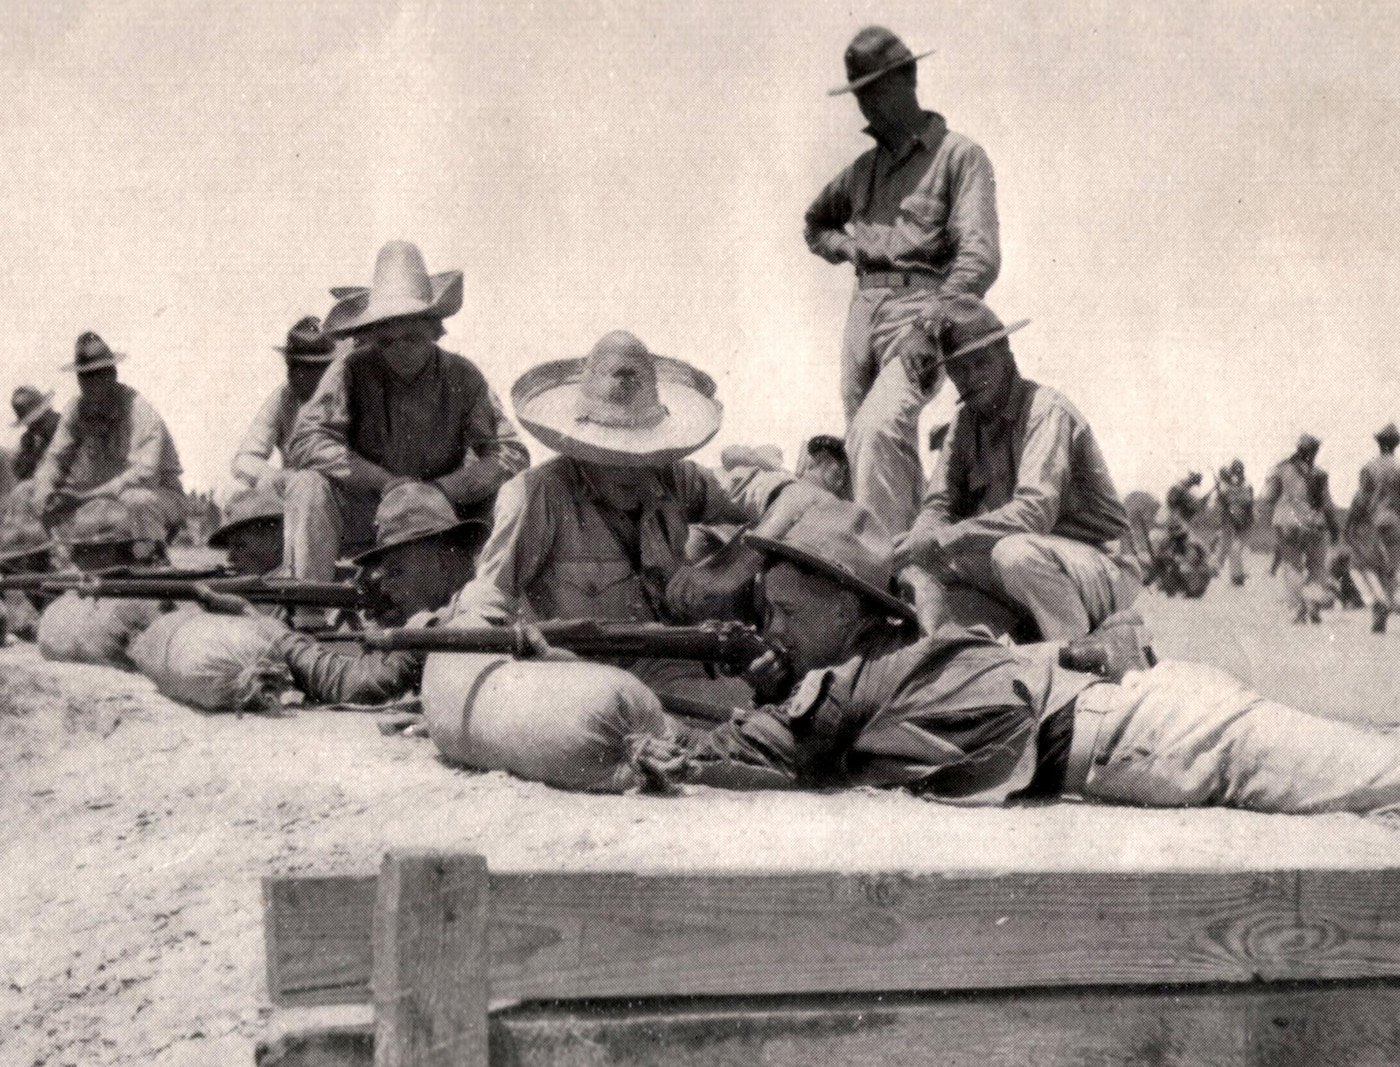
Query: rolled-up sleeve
[(321, 438), (150, 460), (492, 454), (514, 556), (826, 218), (252, 460)]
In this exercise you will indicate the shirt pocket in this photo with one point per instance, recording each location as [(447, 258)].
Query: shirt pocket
[(926, 209), (600, 588)]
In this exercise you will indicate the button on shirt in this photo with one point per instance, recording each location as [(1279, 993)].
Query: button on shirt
[(125, 446), (928, 205), (1033, 468), (444, 425)]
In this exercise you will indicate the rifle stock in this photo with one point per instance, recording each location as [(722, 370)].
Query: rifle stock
[(729, 644)]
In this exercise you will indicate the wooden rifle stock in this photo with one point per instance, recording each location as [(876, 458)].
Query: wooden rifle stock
[(729, 644)]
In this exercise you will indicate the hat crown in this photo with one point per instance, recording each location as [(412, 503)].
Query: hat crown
[(25, 399), (89, 349), (1388, 432), (411, 511), (1307, 443), (23, 538), (106, 520), (306, 338), (618, 384), (875, 49), (400, 273)]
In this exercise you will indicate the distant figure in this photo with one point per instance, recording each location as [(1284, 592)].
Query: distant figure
[(397, 408), (109, 443), (1236, 498), (1021, 516), (34, 411), (916, 216), (308, 352), (1373, 526), (1297, 493)]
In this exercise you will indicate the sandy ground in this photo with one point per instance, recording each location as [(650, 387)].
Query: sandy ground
[(137, 831)]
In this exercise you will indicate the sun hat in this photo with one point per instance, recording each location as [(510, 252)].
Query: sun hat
[(411, 512), (106, 520), (621, 405), (964, 324), (873, 53), (402, 288), (91, 353), (22, 540), (29, 404), (843, 541), (308, 343), (245, 507)]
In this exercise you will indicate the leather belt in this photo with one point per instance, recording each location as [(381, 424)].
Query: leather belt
[(899, 279), (1091, 707)]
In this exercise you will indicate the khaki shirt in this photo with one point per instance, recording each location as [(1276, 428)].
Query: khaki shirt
[(269, 432), (124, 447), (1378, 493)]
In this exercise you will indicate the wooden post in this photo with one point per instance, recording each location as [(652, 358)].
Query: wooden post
[(431, 981)]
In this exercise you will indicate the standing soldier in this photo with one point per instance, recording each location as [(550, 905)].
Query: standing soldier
[(1377, 506), (1303, 515), (916, 217), (1237, 516), (308, 352)]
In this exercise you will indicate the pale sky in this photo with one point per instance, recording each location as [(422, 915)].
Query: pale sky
[(1198, 201)]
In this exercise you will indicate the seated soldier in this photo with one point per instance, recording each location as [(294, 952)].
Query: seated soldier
[(423, 554), (599, 532), (396, 408), (251, 534), (109, 443), (33, 411), (24, 549), (956, 715), (1021, 515), (308, 352)]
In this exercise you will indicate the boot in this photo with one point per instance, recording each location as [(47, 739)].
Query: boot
[(1118, 645), (1378, 617)]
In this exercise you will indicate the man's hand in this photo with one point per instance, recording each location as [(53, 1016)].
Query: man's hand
[(838, 247), (920, 546), (273, 481), (772, 677), (59, 503), (537, 648)]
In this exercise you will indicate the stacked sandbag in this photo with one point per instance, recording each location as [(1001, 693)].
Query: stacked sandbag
[(216, 662), (572, 724), (81, 629)]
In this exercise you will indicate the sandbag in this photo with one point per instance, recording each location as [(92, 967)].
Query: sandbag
[(216, 662), (79, 629), (570, 725)]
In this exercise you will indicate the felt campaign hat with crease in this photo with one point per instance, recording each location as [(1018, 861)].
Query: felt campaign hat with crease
[(621, 405), (1307, 443), (244, 507), (308, 343), (105, 520), (91, 353), (402, 288), (411, 512), (873, 53), (843, 541), (29, 404)]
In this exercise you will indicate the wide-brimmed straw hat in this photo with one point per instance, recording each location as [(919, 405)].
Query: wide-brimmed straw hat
[(105, 520), (963, 324), (1388, 434), (308, 343), (411, 512), (22, 540), (621, 405), (91, 353), (843, 541), (873, 53), (245, 507), (402, 288), (29, 404)]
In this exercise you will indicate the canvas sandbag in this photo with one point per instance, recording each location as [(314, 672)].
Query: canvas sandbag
[(216, 662), (79, 629), (568, 724)]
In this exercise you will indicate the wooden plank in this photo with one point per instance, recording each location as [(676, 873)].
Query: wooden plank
[(318, 939), (1283, 1026), (430, 972), (591, 934)]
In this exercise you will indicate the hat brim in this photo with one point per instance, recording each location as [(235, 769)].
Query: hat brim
[(44, 404), (366, 559), (990, 339), (866, 79), (783, 550), (357, 306), (546, 402), (15, 554), (219, 538), (302, 356), (97, 364)]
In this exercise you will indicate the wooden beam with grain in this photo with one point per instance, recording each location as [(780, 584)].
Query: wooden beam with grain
[(602, 934)]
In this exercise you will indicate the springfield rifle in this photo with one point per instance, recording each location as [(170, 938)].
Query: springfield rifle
[(728, 644), (61, 581), (223, 593)]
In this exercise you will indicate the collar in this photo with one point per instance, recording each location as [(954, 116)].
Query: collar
[(935, 126), (1016, 400), (651, 492)]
